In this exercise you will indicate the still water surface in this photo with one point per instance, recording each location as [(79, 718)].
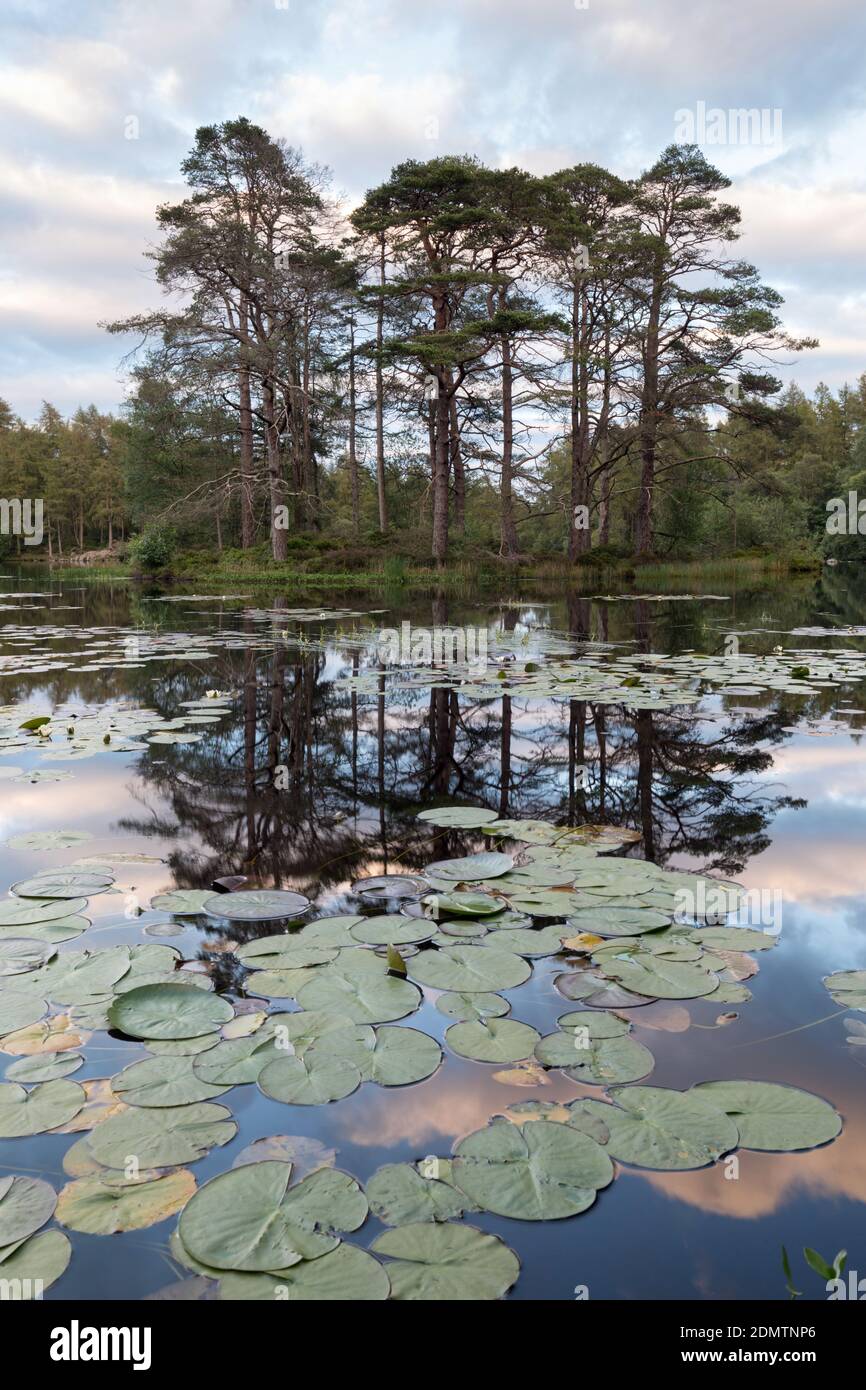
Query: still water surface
[(768, 789)]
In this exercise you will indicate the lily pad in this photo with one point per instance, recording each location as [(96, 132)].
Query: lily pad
[(99, 1208), (658, 978), (265, 905), (470, 969), (447, 1263), (390, 1056), (18, 955), (169, 1011), (594, 1049), (38, 1262), (848, 988), (393, 930), (250, 1219), (471, 867), (183, 902), (465, 1008), (49, 839), (458, 817), (537, 1172), (25, 1205), (773, 1117), (46, 1106), (398, 1195), (358, 984), (653, 1127), (346, 1274), (492, 1040), (161, 1138), (162, 1081), (305, 1155)]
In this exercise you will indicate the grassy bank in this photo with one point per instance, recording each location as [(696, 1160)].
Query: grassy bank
[(374, 571)]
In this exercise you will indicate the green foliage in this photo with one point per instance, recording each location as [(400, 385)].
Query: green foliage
[(152, 550)]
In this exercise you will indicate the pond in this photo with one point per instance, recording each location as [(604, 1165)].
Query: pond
[(238, 744)]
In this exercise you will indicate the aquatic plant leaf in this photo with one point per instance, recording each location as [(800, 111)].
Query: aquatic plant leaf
[(25, 1205), (25, 912), (470, 969), (162, 1138), (88, 1204), (390, 1056), (492, 1040), (537, 1172), (265, 905), (848, 988), (398, 1195), (347, 1274), (161, 1081), (49, 839), (316, 1078), (183, 902), (652, 1127), (773, 1117), (471, 867), (37, 1263), (393, 930), (458, 817), (50, 1068), (358, 984), (659, 978), (18, 955), (250, 1219), (304, 1154), (465, 1008), (44, 1107), (19, 1011), (169, 1011), (445, 1262)]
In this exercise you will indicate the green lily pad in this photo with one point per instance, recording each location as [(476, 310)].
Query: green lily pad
[(25, 1205), (183, 902), (536, 1172), (458, 817), (773, 1117), (398, 1195), (19, 1011), (283, 952), (471, 867), (466, 1008), (305, 1155), (659, 978), (62, 886), (347, 1274), (653, 1127), (161, 1138), (161, 1081), (446, 1262), (18, 912), (441, 905), (390, 1056), (169, 1011), (594, 1049), (492, 1040), (617, 921), (46, 1106), (315, 1078), (733, 939), (52, 933), (470, 969), (99, 1208), (848, 988), (18, 955), (50, 1068), (250, 1219), (528, 941), (358, 984), (393, 930), (264, 905), (49, 839), (37, 1263)]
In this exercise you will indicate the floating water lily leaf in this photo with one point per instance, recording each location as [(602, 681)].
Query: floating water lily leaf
[(492, 1040), (617, 921), (470, 969), (527, 941), (471, 867), (346, 1274), (446, 1262), (21, 954), (264, 905), (538, 1172), (19, 1011), (393, 930), (304, 1154), (652, 1127), (51, 1035), (37, 1263), (161, 1138), (44, 1107), (101, 1102), (467, 1008), (183, 902), (50, 1068), (733, 939), (283, 951), (773, 1117), (25, 1205), (169, 1011), (80, 977), (390, 886), (161, 1081), (49, 839), (315, 1078), (594, 1049), (52, 933), (20, 912), (90, 1205), (358, 984), (398, 1195), (441, 905), (61, 886), (459, 817), (250, 1219), (848, 988), (390, 1056), (659, 978)]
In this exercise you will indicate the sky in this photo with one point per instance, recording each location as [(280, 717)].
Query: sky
[(100, 100)]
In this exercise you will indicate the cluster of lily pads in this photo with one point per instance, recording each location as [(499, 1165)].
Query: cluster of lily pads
[(275, 1225)]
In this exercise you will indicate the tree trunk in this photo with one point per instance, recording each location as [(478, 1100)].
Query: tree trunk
[(509, 544), (247, 463), (649, 419), (440, 475), (276, 489), (579, 536), (380, 421), (458, 469), (353, 443)]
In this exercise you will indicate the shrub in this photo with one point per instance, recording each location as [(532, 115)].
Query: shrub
[(152, 550)]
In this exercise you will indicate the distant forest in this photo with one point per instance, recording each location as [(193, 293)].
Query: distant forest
[(474, 362)]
